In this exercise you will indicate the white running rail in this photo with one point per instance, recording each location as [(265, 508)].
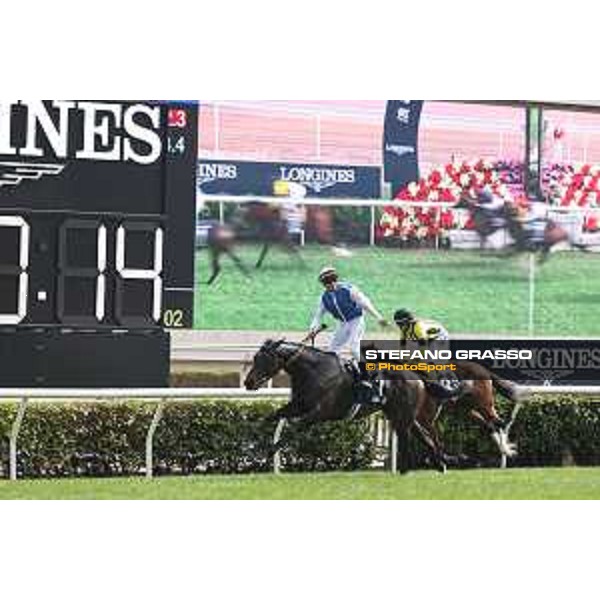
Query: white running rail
[(372, 204), (163, 396)]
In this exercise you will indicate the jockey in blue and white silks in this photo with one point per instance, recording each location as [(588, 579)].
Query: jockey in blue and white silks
[(347, 305), (292, 212)]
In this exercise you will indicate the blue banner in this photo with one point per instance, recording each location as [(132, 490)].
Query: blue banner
[(240, 178), (401, 142)]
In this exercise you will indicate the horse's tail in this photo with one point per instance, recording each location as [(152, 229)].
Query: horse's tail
[(506, 389)]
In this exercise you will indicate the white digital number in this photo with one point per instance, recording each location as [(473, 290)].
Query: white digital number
[(153, 274), (101, 279), (19, 222), (176, 145), (95, 273)]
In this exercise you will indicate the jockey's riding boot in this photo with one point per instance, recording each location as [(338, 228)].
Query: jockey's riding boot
[(367, 390), (447, 390)]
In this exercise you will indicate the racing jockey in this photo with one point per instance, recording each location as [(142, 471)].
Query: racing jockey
[(347, 305)]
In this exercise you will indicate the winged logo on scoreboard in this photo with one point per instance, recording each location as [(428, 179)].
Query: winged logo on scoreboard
[(14, 173)]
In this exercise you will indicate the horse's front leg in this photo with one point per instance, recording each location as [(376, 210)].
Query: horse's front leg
[(303, 422), (238, 263), (433, 449), (292, 248), (282, 417), (404, 401), (428, 418), (263, 255), (215, 257), (402, 428), (497, 430)]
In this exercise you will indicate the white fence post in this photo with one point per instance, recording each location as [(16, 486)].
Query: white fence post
[(394, 452), (14, 436), (373, 226), (531, 324), (276, 439), (158, 413)]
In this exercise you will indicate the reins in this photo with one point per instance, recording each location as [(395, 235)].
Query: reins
[(309, 338)]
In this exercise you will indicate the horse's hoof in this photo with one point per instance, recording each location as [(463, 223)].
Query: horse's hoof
[(340, 252), (453, 461)]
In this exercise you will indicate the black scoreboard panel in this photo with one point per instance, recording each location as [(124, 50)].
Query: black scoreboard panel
[(97, 225), (97, 213)]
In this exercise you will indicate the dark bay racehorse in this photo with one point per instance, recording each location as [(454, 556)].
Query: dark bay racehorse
[(322, 390), (219, 239), (265, 222), (506, 218), (272, 229), (478, 399)]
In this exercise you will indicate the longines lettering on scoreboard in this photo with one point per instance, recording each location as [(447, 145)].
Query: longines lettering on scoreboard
[(101, 137), (97, 214)]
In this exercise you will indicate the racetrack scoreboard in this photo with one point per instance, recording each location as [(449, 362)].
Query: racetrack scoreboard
[(97, 224)]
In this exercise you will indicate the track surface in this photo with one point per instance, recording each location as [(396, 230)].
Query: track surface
[(543, 484), (468, 292)]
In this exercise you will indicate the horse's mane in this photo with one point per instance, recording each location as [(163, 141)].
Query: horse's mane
[(272, 345)]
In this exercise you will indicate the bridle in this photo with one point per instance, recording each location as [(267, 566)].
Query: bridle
[(280, 363), (283, 363)]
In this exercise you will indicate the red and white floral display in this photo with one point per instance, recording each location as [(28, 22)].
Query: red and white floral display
[(568, 186), (448, 184), (577, 186)]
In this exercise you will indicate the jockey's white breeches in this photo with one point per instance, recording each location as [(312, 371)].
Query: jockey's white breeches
[(348, 334)]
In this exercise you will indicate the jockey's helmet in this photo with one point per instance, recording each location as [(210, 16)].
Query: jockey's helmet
[(486, 196), (402, 317), (281, 188), (328, 275)]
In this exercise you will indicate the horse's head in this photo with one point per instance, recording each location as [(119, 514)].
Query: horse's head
[(266, 364)]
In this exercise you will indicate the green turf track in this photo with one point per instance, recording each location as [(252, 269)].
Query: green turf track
[(534, 484), (470, 293)]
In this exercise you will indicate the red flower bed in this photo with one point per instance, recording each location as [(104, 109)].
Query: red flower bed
[(447, 185), (568, 185), (577, 186)]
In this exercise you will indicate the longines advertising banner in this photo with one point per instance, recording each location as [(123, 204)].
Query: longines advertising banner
[(241, 178), (524, 362), (401, 142)]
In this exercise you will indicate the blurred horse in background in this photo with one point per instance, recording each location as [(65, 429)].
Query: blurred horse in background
[(529, 226), (272, 225)]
